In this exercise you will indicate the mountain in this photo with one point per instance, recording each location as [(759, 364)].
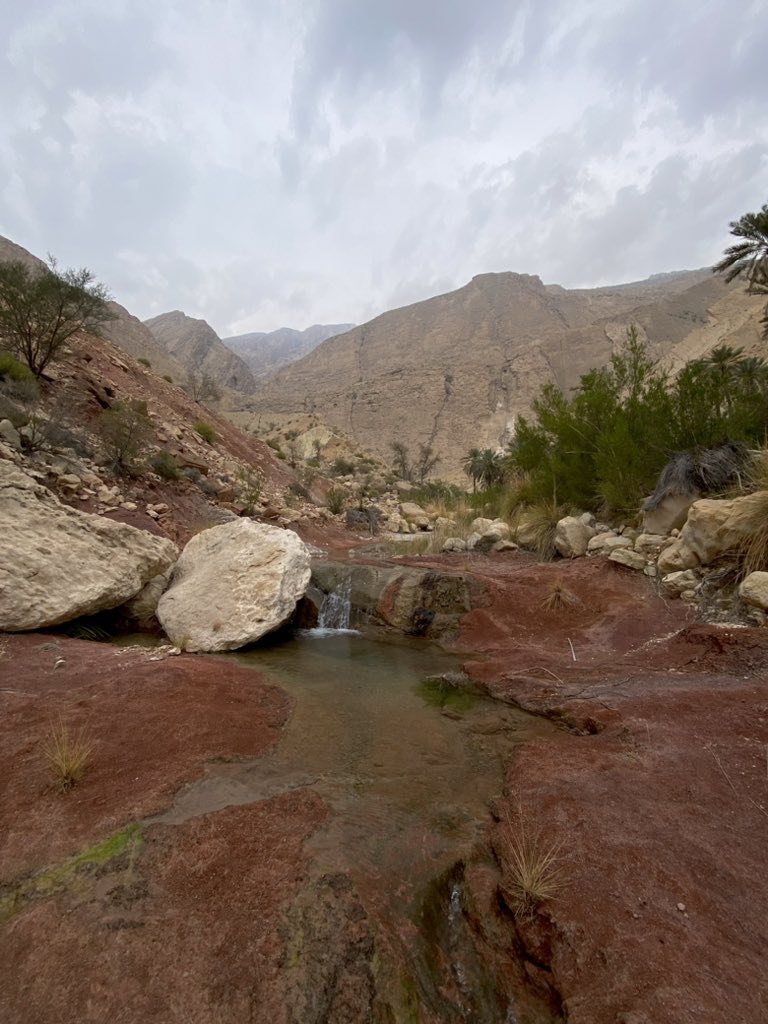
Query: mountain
[(199, 349), (266, 352), (456, 370), (125, 331)]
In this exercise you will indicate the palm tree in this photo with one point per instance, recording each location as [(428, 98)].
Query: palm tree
[(472, 466), (491, 466), (749, 259)]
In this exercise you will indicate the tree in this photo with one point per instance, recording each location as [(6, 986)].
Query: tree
[(748, 259), (472, 466), (426, 461), (202, 387), (40, 310)]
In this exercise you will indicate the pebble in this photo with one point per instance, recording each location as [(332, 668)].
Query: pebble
[(681, 907)]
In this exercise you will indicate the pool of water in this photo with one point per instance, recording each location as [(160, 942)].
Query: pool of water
[(409, 771), (410, 780)]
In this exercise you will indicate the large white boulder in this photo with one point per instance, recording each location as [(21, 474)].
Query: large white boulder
[(232, 585), (57, 564)]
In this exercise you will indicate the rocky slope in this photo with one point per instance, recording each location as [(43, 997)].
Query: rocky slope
[(266, 352), (199, 349), (456, 370)]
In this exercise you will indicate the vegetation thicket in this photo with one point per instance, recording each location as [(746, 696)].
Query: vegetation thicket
[(40, 310)]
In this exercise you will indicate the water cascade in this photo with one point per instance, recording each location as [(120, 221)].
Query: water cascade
[(335, 609)]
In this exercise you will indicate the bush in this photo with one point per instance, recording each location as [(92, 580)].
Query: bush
[(169, 379), (144, 362), (336, 499), (206, 431), (342, 467), (13, 369), (250, 484), (165, 465), (124, 432)]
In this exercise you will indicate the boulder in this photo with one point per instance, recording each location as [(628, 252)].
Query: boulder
[(754, 590), (650, 544), (675, 583), (669, 514), (572, 535), (232, 585), (675, 557), (454, 544), (58, 564), (600, 539), (480, 525), (714, 527), (616, 543), (10, 434), (625, 556), (414, 515)]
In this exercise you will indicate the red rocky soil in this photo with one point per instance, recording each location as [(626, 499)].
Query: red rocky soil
[(656, 786)]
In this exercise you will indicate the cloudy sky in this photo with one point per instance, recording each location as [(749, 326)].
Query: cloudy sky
[(262, 163)]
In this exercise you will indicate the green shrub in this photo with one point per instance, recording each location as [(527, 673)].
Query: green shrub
[(342, 467), (336, 499), (206, 431), (124, 432), (13, 369), (165, 465), (603, 447), (144, 362), (169, 379), (250, 483)]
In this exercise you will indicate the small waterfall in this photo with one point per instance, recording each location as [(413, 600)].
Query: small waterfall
[(335, 609)]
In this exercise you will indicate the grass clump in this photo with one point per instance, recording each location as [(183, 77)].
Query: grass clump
[(68, 754), (206, 431), (165, 465), (559, 598), (536, 530), (336, 499), (532, 865)]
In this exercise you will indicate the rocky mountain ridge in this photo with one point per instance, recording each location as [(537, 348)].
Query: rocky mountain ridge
[(457, 370), (199, 349), (265, 352)]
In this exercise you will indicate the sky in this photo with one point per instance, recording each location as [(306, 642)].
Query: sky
[(268, 163)]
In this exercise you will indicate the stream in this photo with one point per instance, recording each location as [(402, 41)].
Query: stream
[(409, 769)]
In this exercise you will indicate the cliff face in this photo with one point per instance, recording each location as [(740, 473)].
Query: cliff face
[(266, 352), (198, 348), (456, 370)]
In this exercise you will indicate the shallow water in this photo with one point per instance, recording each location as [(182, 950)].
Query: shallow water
[(409, 780)]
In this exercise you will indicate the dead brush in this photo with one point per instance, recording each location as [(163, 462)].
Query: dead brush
[(533, 869), (559, 598), (68, 754), (752, 552)]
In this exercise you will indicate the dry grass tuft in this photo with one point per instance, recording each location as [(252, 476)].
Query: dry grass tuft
[(532, 865), (68, 754), (559, 598)]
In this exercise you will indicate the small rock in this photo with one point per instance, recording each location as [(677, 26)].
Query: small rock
[(681, 907), (129, 506)]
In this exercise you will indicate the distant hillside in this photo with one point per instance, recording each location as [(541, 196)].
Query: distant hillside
[(199, 349), (266, 352), (458, 369), (127, 332)]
